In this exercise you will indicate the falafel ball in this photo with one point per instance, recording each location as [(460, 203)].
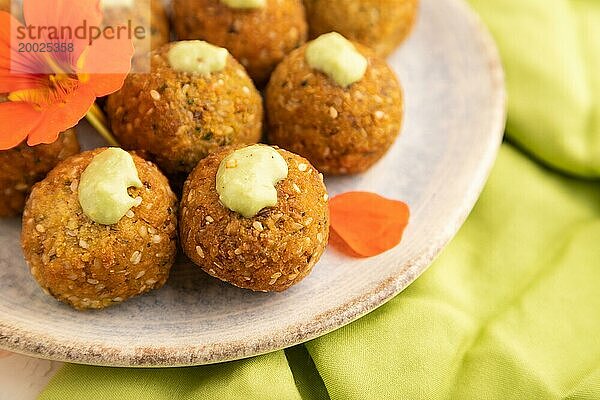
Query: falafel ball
[(5, 5), (21, 167), (271, 251), (379, 24), (259, 38), (89, 265), (141, 13), (340, 130), (178, 118)]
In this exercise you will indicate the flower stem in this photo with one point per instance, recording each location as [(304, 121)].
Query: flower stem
[(99, 114), (96, 118)]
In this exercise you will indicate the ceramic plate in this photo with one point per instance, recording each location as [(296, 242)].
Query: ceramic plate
[(455, 114)]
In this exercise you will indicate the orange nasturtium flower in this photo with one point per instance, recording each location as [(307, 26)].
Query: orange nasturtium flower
[(49, 92)]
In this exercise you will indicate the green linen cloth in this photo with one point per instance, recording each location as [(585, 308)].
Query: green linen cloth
[(511, 310), (551, 52)]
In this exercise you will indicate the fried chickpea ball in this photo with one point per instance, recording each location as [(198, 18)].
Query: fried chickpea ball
[(89, 265), (178, 118), (271, 251), (141, 13), (259, 38), (23, 166), (379, 24), (5, 5), (340, 130)]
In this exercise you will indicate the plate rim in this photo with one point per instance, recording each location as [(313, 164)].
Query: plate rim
[(19, 341)]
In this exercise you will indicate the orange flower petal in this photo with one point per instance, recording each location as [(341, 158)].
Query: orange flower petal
[(64, 13), (368, 223), (17, 120), (62, 100), (6, 21), (106, 74), (61, 116), (105, 84), (337, 242), (13, 64)]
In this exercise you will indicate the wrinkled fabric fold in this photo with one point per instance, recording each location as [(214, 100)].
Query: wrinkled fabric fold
[(551, 53), (266, 377), (508, 310)]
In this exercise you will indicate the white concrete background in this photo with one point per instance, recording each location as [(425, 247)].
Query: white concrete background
[(22, 377)]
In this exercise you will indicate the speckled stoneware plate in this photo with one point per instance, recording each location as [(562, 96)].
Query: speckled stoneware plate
[(455, 114)]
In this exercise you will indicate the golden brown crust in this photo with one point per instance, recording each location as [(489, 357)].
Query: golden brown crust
[(159, 24), (179, 118), (269, 252), (5, 5), (259, 39), (144, 13), (340, 130), (379, 24), (23, 166), (88, 265)]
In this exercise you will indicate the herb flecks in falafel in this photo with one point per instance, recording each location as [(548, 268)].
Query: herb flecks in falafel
[(379, 24), (258, 37), (178, 118), (340, 130), (271, 251), (23, 166), (90, 265)]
